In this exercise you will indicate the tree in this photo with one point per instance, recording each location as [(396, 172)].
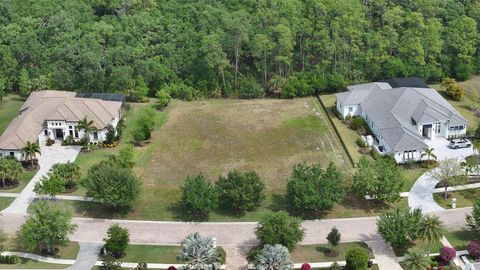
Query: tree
[(51, 184), (356, 259), (2, 90), (23, 83), (10, 169), (473, 219), (163, 99), (87, 127), (199, 196), (398, 226), (125, 157), (334, 237), (30, 151), (381, 179), (241, 191), (428, 152), (273, 257), (416, 259), (312, 188), (117, 240), (111, 134), (112, 184), (449, 173), (280, 228), (430, 230), (47, 227), (69, 172), (198, 252)]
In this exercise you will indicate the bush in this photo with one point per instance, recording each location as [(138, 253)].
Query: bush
[(453, 90), (181, 91), (253, 253), (280, 228), (110, 136), (172, 268), (335, 266), (305, 266), (360, 143), (447, 253), (141, 266), (163, 99), (9, 259), (473, 249), (117, 240), (359, 125), (199, 196), (248, 88), (334, 237), (356, 258), (241, 191)]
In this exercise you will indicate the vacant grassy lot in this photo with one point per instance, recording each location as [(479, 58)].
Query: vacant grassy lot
[(316, 253)]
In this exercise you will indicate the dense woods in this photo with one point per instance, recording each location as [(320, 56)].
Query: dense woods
[(232, 48)]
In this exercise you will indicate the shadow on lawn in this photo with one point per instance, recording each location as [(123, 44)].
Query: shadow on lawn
[(98, 210)]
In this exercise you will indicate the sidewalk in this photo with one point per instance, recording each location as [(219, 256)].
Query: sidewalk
[(384, 255)]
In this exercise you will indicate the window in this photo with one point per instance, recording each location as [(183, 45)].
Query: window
[(12, 154), (70, 127), (438, 127), (45, 132), (407, 155), (70, 132), (95, 135), (76, 133), (350, 109)]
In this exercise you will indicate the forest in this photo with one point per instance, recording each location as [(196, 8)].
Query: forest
[(232, 48)]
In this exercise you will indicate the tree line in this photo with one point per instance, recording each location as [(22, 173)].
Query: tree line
[(214, 48)]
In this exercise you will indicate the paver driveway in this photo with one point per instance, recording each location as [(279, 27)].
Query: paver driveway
[(50, 155)]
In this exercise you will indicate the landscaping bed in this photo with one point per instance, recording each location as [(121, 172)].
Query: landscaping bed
[(317, 253), (23, 181)]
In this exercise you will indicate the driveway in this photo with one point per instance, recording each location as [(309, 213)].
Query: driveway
[(50, 155), (443, 151), (421, 194)]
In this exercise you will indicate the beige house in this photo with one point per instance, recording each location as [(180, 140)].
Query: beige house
[(55, 115)]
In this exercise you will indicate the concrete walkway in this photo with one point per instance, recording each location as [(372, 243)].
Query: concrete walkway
[(50, 156), (384, 255), (421, 194), (87, 256)]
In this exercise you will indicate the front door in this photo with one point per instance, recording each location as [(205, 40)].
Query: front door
[(58, 133), (427, 131)]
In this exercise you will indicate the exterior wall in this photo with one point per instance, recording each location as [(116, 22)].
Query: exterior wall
[(345, 111), (16, 153), (414, 155), (452, 132)]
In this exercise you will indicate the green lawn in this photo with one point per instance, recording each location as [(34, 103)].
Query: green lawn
[(8, 110), (31, 264), (24, 179), (464, 198), (5, 202), (411, 176), (316, 253), (154, 254), (460, 239), (70, 251)]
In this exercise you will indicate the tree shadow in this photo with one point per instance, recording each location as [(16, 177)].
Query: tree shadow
[(180, 213), (99, 210)]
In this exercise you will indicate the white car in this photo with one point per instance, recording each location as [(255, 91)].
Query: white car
[(460, 143)]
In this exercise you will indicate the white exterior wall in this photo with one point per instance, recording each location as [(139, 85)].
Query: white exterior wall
[(344, 110), (16, 153)]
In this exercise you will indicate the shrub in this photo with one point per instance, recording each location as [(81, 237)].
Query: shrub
[(110, 136), (335, 266), (473, 249), (334, 237), (9, 259), (253, 253), (241, 191), (141, 266), (117, 240), (273, 257), (181, 91), (398, 226), (199, 196), (305, 266), (453, 90), (69, 172), (447, 253), (360, 143), (249, 88), (356, 258), (163, 99), (172, 268), (359, 125), (280, 228)]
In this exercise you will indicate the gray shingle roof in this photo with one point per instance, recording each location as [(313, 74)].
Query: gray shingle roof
[(359, 92), (396, 112)]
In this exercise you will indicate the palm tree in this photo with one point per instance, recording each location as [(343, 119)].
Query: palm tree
[(88, 128), (274, 257), (416, 259), (430, 230), (428, 152), (199, 253), (31, 150)]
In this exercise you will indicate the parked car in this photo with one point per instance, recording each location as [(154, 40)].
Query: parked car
[(460, 143)]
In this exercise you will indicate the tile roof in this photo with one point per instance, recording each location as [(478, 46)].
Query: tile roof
[(55, 105)]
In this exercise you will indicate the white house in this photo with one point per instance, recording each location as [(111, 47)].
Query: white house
[(55, 115), (402, 114)]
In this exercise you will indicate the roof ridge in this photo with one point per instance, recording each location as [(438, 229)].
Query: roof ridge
[(440, 105)]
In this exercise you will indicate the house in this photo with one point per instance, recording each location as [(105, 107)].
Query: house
[(55, 115), (403, 115)]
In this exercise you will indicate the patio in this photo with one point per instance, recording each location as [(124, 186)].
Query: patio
[(443, 151)]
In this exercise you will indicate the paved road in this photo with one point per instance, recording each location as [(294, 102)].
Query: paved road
[(50, 156)]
